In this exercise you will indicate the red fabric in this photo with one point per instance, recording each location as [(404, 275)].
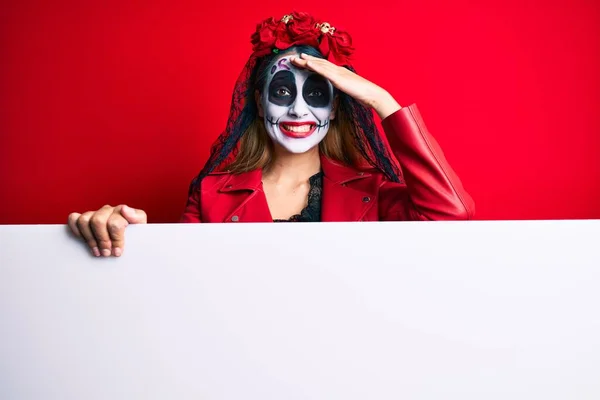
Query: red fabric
[(301, 28), (432, 190)]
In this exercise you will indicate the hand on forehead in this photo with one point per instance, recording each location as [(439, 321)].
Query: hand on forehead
[(285, 64)]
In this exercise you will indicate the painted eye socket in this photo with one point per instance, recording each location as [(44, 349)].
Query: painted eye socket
[(283, 92)]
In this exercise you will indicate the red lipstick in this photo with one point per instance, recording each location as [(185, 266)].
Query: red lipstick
[(283, 126)]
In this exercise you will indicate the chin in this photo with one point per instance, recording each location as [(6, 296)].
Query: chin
[(295, 146), (299, 146), (299, 150)]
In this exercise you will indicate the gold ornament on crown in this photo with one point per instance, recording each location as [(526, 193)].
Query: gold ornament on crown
[(326, 28)]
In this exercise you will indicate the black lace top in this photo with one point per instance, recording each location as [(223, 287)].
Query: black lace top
[(312, 211)]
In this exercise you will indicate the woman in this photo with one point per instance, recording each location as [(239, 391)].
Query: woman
[(301, 145)]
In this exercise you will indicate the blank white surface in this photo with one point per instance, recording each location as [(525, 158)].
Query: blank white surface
[(414, 310)]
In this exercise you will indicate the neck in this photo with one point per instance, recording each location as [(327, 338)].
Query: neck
[(286, 167)]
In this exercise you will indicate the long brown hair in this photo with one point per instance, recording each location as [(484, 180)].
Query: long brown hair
[(256, 148), (352, 140)]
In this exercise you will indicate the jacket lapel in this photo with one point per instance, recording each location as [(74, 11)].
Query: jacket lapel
[(343, 201), (245, 200), (345, 198)]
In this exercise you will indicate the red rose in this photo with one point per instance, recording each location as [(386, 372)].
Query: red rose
[(297, 29), (337, 47), (284, 38), (263, 39), (302, 29), (302, 23)]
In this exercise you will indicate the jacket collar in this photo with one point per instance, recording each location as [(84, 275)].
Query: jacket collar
[(341, 202), (340, 174), (335, 172), (245, 181)]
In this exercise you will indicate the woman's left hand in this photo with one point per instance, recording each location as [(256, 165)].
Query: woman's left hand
[(353, 85)]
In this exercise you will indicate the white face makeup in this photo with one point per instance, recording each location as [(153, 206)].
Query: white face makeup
[(297, 106)]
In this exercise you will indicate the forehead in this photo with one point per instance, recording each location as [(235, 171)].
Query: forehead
[(283, 63)]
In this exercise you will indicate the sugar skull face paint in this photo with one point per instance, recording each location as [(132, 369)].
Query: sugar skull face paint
[(297, 106)]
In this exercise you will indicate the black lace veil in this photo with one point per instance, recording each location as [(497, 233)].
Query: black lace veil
[(243, 111)]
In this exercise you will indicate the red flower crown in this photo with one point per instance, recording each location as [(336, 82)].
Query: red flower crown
[(298, 28)]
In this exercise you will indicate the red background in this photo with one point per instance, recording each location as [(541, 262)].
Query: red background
[(117, 102)]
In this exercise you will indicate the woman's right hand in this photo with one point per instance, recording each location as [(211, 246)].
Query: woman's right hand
[(104, 229)]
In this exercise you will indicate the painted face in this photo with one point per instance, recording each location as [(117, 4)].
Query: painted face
[(297, 106)]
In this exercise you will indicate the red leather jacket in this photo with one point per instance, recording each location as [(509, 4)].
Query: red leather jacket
[(432, 190)]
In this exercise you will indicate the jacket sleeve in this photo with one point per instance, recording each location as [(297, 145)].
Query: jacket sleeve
[(433, 191), (191, 213)]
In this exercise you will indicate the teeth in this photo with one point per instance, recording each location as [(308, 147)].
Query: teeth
[(298, 129)]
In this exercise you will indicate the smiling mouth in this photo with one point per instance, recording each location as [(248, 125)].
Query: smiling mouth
[(297, 130)]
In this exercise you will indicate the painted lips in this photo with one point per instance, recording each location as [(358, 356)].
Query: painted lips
[(297, 130)]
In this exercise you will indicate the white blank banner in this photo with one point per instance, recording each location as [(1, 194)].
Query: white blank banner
[(414, 310)]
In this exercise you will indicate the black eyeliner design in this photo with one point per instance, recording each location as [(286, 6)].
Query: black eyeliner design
[(270, 120), (319, 125)]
